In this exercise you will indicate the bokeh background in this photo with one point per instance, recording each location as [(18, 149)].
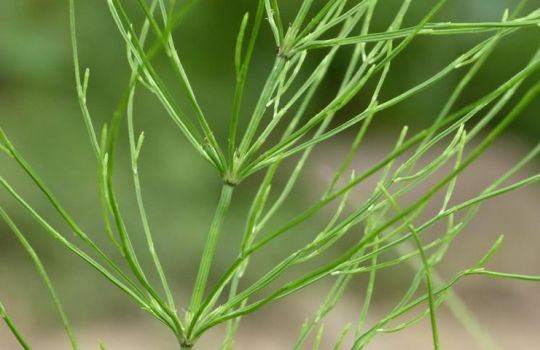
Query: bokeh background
[(40, 113)]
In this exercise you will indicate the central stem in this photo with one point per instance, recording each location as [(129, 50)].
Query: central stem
[(210, 247), (185, 347)]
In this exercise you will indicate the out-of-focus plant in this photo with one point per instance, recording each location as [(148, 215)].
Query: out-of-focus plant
[(280, 126)]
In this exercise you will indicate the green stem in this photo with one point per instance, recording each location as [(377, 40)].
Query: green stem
[(427, 268), (241, 81), (210, 248), (43, 274), (14, 330)]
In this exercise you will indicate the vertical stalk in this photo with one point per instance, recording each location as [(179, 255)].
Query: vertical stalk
[(210, 247)]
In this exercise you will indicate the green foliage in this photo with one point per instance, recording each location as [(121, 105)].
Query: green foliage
[(282, 125)]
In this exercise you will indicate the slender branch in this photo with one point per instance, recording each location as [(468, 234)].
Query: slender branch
[(44, 276), (13, 328)]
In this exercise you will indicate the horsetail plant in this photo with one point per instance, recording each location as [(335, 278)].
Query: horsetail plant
[(282, 126)]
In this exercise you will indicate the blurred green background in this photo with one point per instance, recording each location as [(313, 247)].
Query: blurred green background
[(40, 113)]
